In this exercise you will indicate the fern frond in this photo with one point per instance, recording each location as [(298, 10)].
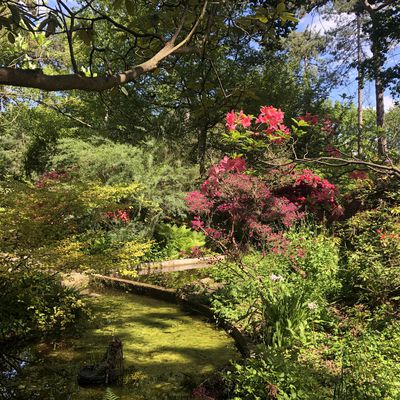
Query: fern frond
[(110, 395)]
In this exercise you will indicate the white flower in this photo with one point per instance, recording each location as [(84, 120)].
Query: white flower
[(276, 278), (312, 306)]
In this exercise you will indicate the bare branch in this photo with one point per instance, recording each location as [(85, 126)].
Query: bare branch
[(16, 97), (339, 162), (68, 32)]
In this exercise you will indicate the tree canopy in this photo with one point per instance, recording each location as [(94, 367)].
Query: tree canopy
[(109, 45)]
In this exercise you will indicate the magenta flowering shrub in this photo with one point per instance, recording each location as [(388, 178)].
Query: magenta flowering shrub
[(251, 133), (50, 177), (311, 193), (234, 206)]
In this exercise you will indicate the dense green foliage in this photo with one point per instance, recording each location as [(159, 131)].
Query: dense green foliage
[(309, 344), (164, 178), (275, 296), (300, 191), (34, 303), (373, 256)]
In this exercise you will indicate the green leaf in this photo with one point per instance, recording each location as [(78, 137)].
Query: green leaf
[(29, 25), (16, 16), (11, 37), (235, 135), (51, 28), (262, 18), (86, 36), (286, 16), (43, 24), (124, 91), (302, 123), (110, 395), (280, 8), (4, 22)]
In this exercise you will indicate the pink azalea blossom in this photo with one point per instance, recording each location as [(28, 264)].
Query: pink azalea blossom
[(230, 120)]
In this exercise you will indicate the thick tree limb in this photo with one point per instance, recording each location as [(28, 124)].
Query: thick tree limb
[(37, 79)]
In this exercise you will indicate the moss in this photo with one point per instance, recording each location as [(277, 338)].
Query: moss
[(166, 351)]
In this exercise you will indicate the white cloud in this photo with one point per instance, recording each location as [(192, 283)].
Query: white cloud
[(322, 25), (317, 23)]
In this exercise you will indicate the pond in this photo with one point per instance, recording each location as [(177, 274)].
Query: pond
[(167, 352)]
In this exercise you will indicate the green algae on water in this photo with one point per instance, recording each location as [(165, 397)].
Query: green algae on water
[(166, 351)]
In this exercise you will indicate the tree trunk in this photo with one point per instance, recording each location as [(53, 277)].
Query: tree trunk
[(380, 110), (201, 150), (378, 61), (379, 88), (360, 88)]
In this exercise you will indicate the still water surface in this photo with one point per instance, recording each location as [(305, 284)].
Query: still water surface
[(166, 352)]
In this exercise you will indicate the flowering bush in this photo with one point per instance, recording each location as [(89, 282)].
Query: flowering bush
[(312, 193), (118, 216), (50, 177), (358, 175), (261, 289), (268, 124), (236, 206), (320, 138), (332, 151), (278, 299), (309, 118), (71, 225)]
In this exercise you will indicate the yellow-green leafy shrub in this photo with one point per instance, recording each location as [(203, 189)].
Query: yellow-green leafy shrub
[(61, 223)]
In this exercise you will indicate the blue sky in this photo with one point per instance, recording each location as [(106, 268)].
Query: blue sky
[(316, 23)]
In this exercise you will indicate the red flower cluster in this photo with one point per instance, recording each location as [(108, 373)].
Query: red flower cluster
[(313, 194), (270, 115), (328, 127), (332, 151), (272, 118), (194, 252), (120, 215), (201, 393), (384, 235), (269, 122), (233, 120), (197, 202)]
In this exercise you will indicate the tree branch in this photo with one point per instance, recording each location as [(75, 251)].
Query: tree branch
[(69, 36), (339, 162), (37, 79)]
